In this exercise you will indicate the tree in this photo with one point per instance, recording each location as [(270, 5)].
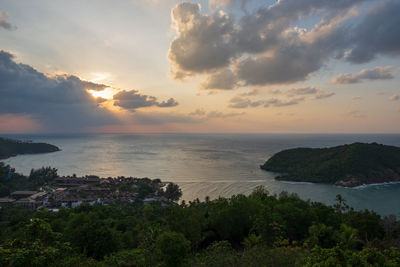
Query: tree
[(173, 192), (173, 248), (43, 175)]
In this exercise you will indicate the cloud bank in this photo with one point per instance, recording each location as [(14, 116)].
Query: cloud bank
[(59, 103), (263, 47)]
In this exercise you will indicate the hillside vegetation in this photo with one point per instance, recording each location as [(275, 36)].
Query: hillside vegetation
[(10, 148), (255, 230), (347, 165)]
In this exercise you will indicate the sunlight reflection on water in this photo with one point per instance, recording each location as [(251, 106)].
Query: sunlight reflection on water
[(205, 164)]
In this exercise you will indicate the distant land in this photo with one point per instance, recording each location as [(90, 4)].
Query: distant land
[(346, 165), (11, 148)]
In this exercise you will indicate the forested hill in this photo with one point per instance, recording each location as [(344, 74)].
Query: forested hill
[(10, 148), (346, 165)]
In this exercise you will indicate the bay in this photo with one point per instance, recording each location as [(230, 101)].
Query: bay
[(206, 164)]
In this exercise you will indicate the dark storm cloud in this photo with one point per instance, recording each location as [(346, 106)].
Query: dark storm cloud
[(132, 100), (378, 73), (263, 47), (4, 23), (59, 103)]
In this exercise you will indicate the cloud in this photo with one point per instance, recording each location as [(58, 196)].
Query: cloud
[(221, 80), (216, 114), (158, 118), (214, 4), (197, 116), (4, 23), (198, 112), (266, 47), (377, 34), (242, 102), (203, 41), (169, 103), (59, 103), (213, 114), (132, 100), (304, 91), (378, 73), (280, 103), (322, 95), (251, 92), (394, 97)]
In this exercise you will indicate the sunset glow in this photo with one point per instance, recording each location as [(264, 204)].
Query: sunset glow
[(209, 66)]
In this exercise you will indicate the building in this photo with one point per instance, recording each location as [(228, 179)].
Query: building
[(6, 202), (22, 194), (27, 203)]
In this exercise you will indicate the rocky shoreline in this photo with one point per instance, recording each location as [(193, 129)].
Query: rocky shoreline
[(387, 176)]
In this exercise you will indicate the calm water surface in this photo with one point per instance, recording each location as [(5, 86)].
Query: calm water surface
[(205, 164)]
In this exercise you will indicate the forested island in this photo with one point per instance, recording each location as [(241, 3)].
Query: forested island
[(11, 148), (346, 165)]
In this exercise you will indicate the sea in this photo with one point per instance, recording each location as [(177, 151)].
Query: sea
[(213, 165)]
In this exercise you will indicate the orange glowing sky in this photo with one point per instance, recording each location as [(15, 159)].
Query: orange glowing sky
[(199, 66)]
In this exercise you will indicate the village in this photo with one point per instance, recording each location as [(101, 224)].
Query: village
[(72, 191)]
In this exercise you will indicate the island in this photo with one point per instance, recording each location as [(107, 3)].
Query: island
[(347, 165), (11, 148)]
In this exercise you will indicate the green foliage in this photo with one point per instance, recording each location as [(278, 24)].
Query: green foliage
[(173, 248), (173, 192), (254, 230), (9, 148), (42, 175), (365, 162), (11, 181), (126, 258), (218, 254)]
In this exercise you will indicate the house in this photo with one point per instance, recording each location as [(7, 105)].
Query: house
[(6, 202), (26, 202), (76, 181), (22, 194), (73, 202)]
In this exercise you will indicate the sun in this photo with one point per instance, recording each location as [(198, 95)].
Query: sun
[(107, 93)]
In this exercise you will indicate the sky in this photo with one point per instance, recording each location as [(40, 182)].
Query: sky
[(210, 66)]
